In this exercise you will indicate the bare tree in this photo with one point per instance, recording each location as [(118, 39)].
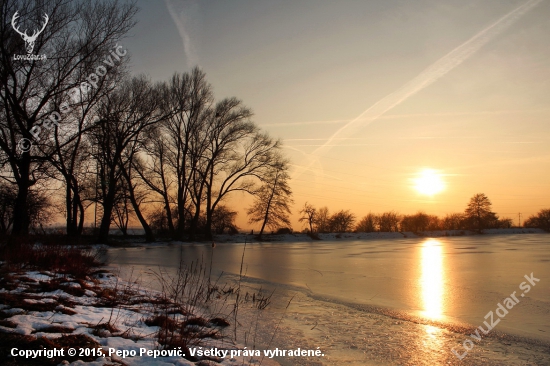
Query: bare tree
[(125, 115), (416, 223), (122, 208), (322, 220), (309, 214), (420, 222), (342, 221), (367, 224), (454, 221), (271, 206), (541, 220), (78, 36), (478, 212), (434, 223), (69, 149), (188, 103), (224, 219), (202, 153), (389, 221), (155, 171), (38, 206), (156, 217), (237, 156), (505, 223)]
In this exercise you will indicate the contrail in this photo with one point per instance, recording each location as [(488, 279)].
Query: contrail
[(428, 76), (181, 20), (409, 115)]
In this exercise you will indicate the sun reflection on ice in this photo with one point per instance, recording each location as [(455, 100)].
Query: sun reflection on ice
[(432, 279), (432, 331)]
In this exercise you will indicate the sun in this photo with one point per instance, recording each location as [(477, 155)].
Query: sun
[(429, 182)]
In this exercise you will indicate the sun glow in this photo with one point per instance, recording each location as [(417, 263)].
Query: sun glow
[(428, 182), (432, 278)]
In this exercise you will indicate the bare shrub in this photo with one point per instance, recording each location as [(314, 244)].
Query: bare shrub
[(192, 307), (61, 259)]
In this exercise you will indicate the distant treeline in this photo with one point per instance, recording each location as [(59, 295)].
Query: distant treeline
[(476, 217)]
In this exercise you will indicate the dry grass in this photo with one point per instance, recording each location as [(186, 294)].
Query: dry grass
[(219, 322), (104, 329), (54, 329), (173, 311), (17, 300), (59, 259), (8, 323), (192, 289), (161, 321), (30, 298)]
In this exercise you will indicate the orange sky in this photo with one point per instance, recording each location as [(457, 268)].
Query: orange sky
[(365, 95)]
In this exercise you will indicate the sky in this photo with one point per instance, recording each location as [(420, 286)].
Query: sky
[(365, 95)]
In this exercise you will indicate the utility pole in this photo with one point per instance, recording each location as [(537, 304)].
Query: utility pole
[(519, 219)]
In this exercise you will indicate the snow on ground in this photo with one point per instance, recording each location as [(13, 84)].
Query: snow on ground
[(301, 237), (120, 327), (287, 238)]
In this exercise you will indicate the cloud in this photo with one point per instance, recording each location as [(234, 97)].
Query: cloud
[(410, 115), (182, 12)]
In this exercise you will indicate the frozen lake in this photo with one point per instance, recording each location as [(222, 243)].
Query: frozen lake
[(434, 288)]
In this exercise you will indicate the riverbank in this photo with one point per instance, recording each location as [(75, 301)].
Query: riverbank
[(139, 241), (95, 318), (240, 238), (321, 300)]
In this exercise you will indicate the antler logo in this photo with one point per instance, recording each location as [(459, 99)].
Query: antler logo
[(29, 40)]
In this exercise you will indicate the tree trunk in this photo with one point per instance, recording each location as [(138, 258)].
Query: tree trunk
[(73, 206), (194, 223), (196, 217), (209, 206), (75, 212), (167, 208), (208, 225), (69, 208), (266, 217), (149, 236), (263, 227), (20, 213), (181, 215), (81, 218), (108, 204), (21, 220), (171, 228)]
